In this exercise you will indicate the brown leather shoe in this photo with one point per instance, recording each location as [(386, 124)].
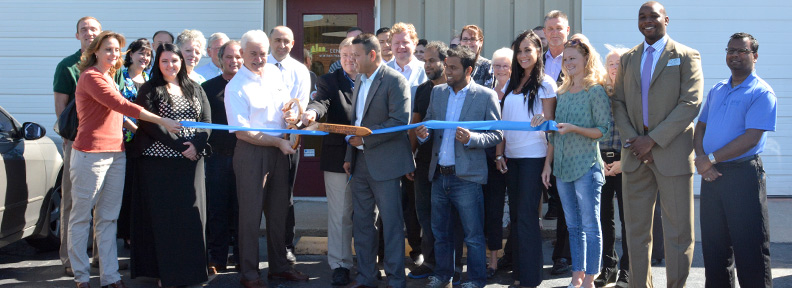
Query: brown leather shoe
[(119, 284), (289, 275), (83, 285), (356, 285), (258, 283)]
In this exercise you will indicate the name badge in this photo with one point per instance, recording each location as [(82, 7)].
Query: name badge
[(673, 62)]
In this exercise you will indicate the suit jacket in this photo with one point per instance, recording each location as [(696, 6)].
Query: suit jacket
[(675, 94), (334, 100), (481, 104), (388, 155)]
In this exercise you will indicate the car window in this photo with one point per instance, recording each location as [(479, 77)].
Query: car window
[(6, 127)]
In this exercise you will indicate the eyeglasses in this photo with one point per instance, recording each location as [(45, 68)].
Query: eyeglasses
[(452, 46), (743, 51), (469, 40), (501, 66)]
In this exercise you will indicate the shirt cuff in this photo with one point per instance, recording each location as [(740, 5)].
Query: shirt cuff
[(361, 140)]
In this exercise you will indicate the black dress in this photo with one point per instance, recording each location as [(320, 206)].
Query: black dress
[(169, 205)]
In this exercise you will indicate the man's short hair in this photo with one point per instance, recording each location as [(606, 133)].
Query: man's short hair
[(353, 29), (221, 52), (166, 32), (86, 18), (191, 35), (383, 30), (743, 35), (556, 14), (307, 54), (467, 57), (369, 42), (405, 27), (422, 42), (440, 47), (255, 36), (475, 29), (346, 42), (217, 36), (540, 27)]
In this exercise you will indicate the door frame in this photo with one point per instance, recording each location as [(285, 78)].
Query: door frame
[(297, 50)]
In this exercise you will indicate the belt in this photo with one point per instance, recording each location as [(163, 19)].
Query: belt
[(446, 170), (739, 161)]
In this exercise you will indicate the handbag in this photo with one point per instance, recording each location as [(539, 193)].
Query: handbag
[(66, 126)]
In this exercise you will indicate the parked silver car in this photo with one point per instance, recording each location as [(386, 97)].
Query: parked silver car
[(30, 169)]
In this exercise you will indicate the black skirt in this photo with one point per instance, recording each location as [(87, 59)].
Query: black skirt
[(168, 221)]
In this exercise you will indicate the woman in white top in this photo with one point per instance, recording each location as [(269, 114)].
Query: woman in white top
[(530, 97), (192, 44)]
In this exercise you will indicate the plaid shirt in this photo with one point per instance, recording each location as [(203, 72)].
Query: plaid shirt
[(611, 142)]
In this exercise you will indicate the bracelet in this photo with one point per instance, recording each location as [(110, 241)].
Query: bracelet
[(498, 158)]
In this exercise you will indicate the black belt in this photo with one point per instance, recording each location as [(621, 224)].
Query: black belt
[(739, 161), (446, 170), (610, 155)]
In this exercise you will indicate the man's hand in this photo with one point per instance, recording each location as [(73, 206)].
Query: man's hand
[(501, 165), (640, 146), (703, 164), (356, 141), (285, 147), (308, 117), (463, 135), (711, 174), (647, 158), (422, 132), (348, 168), (290, 117)]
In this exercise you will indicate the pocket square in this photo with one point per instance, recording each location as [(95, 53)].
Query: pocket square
[(673, 62)]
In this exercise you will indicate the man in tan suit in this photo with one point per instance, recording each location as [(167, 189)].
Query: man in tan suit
[(658, 94)]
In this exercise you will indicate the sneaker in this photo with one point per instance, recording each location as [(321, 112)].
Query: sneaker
[(606, 277), (457, 278), (560, 266), (340, 276), (435, 282), (624, 279), (469, 285), (421, 272)]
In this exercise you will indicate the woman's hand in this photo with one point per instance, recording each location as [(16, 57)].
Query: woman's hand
[(190, 153), (546, 172), (500, 164), (537, 120), (616, 168), (173, 126), (564, 128)]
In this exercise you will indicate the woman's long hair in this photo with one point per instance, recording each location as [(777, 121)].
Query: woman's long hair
[(158, 84), (88, 58), (595, 73), (134, 47), (531, 88)]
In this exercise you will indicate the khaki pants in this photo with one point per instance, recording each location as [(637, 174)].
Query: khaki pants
[(66, 206), (339, 220)]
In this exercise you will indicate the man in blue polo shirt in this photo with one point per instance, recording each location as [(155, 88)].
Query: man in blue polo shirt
[(729, 136)]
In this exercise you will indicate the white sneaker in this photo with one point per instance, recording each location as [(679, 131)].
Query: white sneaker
[(435, 282)]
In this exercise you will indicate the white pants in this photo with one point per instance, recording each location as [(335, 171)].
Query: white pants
[(339, 220), (97, 183)]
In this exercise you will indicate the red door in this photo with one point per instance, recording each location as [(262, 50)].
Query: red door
[(319, 26)]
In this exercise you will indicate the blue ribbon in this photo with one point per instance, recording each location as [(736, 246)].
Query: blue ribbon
[(431, 124)]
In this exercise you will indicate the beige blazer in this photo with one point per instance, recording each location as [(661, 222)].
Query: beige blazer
[(675, 95)]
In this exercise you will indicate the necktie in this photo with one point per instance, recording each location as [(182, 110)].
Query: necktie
[(646, 78), (280, 67)]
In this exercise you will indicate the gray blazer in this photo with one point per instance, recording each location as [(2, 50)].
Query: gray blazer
[(481, 104), (389, 155)]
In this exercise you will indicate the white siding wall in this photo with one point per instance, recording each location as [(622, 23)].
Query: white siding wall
[(36, 35), (706, 26)]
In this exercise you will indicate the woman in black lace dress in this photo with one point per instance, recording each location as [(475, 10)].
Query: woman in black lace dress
[(169, 205)]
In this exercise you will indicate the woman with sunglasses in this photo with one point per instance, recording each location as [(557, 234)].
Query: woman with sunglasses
[(530, 97), (583, 115)]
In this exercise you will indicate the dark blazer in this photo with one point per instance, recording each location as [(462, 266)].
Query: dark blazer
[(481, 104), (389, 155), (333, 99), (675, 94), (148, 132)]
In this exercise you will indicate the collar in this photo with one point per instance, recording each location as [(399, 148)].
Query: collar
[(463, 91), (412, 64), (285, 62), (363, 77), (550, 55), (245, 72), (659, 45), (745, 82)]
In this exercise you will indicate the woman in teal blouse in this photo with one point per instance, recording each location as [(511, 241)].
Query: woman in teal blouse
[(583, 114)]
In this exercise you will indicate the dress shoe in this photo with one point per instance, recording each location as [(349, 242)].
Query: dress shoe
[(340, 276), (656, 262), (417, 258), (83, 285), (119, 284), (69, 272), (290, 256), (258, 283), (606, 277), (457, 278), (288, 275), (505, 263), (420, 272), (560, 266), (624, 279), (552, 213), (491, 273), (356, 285)]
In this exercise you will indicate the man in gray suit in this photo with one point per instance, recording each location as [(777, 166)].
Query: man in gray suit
[(459, 168), (381, 99)]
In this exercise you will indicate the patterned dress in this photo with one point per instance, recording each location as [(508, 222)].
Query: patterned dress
[(129, 91)]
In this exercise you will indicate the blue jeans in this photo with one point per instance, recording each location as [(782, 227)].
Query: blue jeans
[(581, 202), (468, 199)]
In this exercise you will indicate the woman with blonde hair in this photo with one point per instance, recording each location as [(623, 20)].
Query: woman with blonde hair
[(192, 44), (583, 116), (98, 160)]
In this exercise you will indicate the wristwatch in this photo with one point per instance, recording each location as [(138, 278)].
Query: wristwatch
[(498, 158), (712, 158)]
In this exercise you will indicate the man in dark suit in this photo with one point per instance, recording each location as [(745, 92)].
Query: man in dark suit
[(381, 99), (333, 99), (665, 75), (459, 166)]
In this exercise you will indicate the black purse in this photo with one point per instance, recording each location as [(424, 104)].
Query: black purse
[(66, 126)]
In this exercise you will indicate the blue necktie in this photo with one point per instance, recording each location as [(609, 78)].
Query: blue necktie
[(646, 78)]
